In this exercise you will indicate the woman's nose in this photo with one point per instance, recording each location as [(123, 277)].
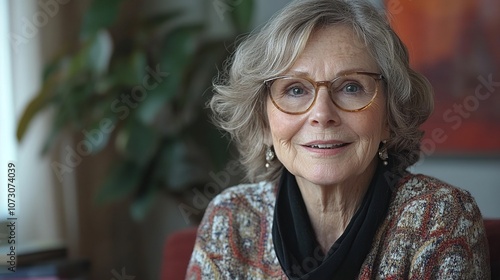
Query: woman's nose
[(324, 112)]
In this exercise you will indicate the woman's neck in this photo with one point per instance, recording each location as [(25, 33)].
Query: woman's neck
[(330, 208)]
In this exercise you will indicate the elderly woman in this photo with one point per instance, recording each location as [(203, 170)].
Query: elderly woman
[(325, 111)]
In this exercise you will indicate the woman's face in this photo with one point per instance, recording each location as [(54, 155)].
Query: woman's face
[(351, 138)]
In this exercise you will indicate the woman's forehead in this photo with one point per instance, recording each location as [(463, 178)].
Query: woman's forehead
[(332, 51)]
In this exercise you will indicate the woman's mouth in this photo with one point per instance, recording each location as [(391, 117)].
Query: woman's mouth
[(327, 146)]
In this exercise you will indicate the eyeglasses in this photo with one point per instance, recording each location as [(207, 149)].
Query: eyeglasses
[(352, 92)]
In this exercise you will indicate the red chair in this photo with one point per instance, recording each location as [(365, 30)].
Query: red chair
[(179, 245), (177, 253), (492, 228)]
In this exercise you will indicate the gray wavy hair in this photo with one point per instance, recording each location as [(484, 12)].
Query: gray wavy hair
[(239, 101)]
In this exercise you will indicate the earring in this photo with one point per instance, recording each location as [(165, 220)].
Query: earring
[(269, 156), (382, 152)]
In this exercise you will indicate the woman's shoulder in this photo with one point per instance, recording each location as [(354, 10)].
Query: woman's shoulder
[(433, 207), (256, 195), (245, 203), (433, 230), (234, 238), (419, 188)]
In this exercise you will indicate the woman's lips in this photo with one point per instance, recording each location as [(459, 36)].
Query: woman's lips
[(327, 146), (331, 148)]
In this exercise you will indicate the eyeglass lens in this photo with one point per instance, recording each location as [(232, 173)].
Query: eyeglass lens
[(350, 92)]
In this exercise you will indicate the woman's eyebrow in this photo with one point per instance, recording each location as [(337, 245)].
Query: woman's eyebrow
[(297, 73)]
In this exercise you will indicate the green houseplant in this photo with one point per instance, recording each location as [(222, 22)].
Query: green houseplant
[(138, 85)]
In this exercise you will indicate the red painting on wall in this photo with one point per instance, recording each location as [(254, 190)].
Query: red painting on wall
[(456, 45)]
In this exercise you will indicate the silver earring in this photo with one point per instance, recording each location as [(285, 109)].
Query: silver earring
[(382, 152), (269, 156)]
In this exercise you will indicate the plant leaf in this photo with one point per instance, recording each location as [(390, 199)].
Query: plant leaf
[(177, 54), (182, 165), (154, 21), (242, 15), (142, 204), (100, 15), (121, 181), (41, 99), (130, 70), (155, 100), (93, 57), (137, 141), (54, 65), (100, 53), (97, 137), (179, 46), (210, 56), (214, 143)]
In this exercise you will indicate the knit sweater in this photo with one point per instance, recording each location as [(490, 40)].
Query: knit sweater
[(432, 231)]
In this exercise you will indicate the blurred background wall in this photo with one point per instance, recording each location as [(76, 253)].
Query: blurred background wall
[(54, 213)]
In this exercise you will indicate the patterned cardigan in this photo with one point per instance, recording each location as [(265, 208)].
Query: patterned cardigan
[(432, 231)]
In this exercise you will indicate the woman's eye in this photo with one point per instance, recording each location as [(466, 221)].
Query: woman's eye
[(352, 88), (296, 91)]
